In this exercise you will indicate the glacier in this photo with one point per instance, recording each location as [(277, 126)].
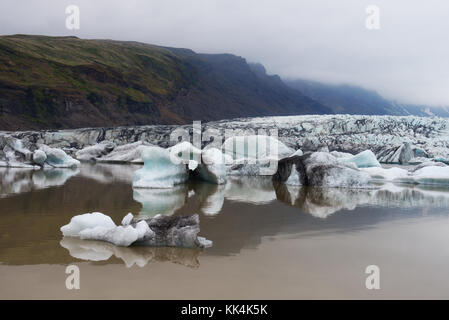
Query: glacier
[(386, 136)]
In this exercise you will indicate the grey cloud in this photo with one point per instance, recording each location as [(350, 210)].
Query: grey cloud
[(323, 40)]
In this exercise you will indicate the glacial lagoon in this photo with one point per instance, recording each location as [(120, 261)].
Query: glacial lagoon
[(269, 241)]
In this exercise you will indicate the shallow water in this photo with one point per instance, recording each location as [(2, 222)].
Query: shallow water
[(270, 241)]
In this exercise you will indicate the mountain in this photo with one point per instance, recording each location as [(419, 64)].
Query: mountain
[(349, 99), (67, 82), (424, 111)]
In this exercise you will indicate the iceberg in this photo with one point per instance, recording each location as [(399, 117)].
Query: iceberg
[(157, 231), (364, 159), (39, 157), (212, 167), (165, 168), (398, 154), (320, 169), (91, 153), (255, 147), (87, 221), (14, 154), (128, 153), (428, 175), (57, 158), (386, 174), (159, 171)]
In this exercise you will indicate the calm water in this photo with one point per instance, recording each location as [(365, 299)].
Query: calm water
[(269, 241)]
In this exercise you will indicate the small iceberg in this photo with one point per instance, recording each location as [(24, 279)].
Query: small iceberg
[(91, 153), (320, 169), (427, 173), (15, 154), (166, 168), (159, 231)]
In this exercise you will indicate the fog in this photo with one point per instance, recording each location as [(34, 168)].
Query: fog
[(325, 40)]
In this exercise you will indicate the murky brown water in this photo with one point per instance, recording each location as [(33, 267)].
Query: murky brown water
[(269, 241)]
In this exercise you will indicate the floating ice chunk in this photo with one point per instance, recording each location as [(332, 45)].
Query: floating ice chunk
[(57, 158), (365, 159), (204, 242), (159, 171), (95, 151), (97, 226), (255, 147), (127, 219), (396, 154), (430, 175), (389, 174), (320, 169), (119, 236), (174, 231), (87, 221), (128, 153), (143, 230), (39, 157), (428, 164)]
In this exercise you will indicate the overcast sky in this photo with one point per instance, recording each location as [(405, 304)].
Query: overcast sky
[(407, 59)]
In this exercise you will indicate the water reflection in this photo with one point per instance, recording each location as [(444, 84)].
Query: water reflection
[(211, 197), (109, 173), (18, 180), (255, 190), (321, 202), (160, 201), (235, 216), (139, 256)]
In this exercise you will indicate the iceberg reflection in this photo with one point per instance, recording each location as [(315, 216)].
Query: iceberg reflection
[(160, 201), (211, 197), (322, 202), (139, 256), (256, 190), (17, 180)]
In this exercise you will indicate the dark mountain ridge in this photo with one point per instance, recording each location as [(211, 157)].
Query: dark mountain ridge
[(350, 99), (66, 82)]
